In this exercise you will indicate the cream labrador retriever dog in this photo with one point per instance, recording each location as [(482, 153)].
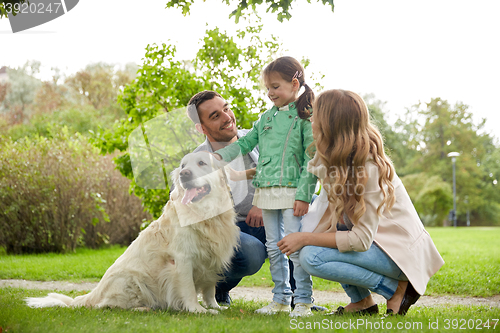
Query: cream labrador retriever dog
[(178, 256)]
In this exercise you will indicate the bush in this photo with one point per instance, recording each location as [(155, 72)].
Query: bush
[(431, 196), (125, 211), (78, 118), (58, 193)]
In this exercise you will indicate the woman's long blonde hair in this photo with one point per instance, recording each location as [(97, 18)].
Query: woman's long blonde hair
[(345, 139)]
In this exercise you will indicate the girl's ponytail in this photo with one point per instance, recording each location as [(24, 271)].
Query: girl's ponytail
[(304, 102)]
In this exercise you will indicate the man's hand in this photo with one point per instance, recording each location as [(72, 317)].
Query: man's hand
[(293, 242), (300, 208), (254, 217)]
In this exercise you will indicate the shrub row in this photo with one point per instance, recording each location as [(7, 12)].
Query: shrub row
[(59, 193)]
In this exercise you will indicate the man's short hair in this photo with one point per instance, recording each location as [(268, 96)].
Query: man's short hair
[(192, 108)]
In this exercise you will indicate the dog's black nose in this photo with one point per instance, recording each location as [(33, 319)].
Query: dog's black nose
[(186, 174)]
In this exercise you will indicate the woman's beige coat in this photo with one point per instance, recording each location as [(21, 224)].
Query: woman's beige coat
[(398, 232)]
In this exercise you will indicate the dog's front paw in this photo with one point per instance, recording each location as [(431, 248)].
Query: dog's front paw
[(213, 311), (142, 308)]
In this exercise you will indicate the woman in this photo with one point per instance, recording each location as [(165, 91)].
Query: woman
[(363, 230)]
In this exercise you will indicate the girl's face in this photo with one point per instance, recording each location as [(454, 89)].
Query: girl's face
[(279, 91)]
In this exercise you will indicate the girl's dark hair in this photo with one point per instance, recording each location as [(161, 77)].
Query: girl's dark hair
[(289, 69)]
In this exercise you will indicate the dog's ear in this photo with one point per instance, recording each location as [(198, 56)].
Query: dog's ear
[(215, 163), (174, 195), (225, 178)]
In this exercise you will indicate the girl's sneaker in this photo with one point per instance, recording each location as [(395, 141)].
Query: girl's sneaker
[(301, 310), (273, 308)]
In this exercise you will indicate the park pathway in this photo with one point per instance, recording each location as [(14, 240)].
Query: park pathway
[(265, 294)]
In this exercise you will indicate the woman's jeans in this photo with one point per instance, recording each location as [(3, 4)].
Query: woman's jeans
[(358, 272), (278, 223)]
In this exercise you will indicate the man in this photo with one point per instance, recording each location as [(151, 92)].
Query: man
[(213, 117)]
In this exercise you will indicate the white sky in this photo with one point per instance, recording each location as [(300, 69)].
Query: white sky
[(402, 51)]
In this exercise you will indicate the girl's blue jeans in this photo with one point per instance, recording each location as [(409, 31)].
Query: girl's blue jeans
[(357, 272), (278, 223)]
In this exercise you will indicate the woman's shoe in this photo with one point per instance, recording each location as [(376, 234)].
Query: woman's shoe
[(372, 310), (410, 298)]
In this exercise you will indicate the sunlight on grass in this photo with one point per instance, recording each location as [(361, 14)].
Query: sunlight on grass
[(472, 261), (84, 265), (472, 267)]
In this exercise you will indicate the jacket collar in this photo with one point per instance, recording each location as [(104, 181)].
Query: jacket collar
[(291, 106)]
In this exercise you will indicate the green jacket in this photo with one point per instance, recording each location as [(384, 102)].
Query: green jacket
[(283, 139)]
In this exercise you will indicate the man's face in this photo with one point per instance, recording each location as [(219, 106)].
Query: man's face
[(217, 120)]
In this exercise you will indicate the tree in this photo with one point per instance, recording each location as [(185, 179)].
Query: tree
[(228, 64), (8, 5), (51, 95), (4, 87), (431, 196), (99, 83), (394, 142), (21, 91), (437, 129), (281, 7)]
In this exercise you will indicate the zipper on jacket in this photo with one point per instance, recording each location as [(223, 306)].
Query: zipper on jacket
[(298, 164), (265, 129), (284, 148)]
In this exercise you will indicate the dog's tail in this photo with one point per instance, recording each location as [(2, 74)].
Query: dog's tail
[(52, 299)]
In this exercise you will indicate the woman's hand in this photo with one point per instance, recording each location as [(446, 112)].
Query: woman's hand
[(235, 175), (293, 242), (300, 208), (240, 175)]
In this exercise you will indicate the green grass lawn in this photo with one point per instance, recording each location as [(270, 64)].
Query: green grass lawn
[(472, 268), (15, 316)]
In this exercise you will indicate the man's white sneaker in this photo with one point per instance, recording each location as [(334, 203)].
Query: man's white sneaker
[(301, 310), (273, 308)]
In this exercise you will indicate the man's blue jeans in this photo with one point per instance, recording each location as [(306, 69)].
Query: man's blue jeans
[(248, 258), (358, 272)]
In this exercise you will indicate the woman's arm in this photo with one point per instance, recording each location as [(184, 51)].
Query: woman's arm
[(360, 238), (294, 242)]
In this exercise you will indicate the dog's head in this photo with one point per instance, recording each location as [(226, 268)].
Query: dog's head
[(197, 176)]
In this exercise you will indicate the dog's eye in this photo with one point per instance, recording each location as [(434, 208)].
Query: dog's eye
[(201, 163), (182, 166)]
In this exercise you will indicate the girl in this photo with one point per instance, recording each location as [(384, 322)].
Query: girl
[(379, 244), (283, 186)]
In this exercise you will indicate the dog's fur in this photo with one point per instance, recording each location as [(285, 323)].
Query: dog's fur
[(169, 264)]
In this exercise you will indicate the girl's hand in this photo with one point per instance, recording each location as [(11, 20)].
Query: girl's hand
[(300, 208), (293, 242)]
